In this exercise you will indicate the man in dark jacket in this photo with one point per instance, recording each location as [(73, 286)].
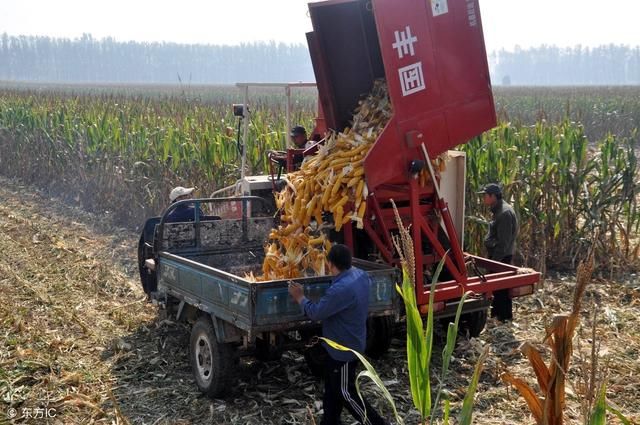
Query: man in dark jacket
[(343, 311), (299, 137), (500, 243), (182, 213)]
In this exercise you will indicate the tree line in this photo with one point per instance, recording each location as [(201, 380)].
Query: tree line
[(86, 59), (551, 65), (90, 60)]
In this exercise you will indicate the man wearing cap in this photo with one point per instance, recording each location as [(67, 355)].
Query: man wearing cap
[(185, 212), (299, 137), (500, 243)]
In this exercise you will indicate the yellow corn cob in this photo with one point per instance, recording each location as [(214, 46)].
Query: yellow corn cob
[(311, 206), (316, 241), (290, 229), (336, 186), (354, 181), (361, 210), (325, 197), (359, 189), (341, 202), (330, 181), (317, 214), (337, 218)]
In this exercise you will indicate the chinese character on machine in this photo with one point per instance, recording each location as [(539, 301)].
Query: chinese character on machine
[(411, 78)]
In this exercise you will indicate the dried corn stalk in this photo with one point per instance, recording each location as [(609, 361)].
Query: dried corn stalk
[(547, 406)]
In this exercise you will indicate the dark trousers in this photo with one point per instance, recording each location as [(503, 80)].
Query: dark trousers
[(502, 305), (340, 391)]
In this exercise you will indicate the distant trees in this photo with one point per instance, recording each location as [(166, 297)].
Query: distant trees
[(551, 65), (86, 59)]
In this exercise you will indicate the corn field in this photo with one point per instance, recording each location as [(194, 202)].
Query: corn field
[(117, 151), (564, 190)]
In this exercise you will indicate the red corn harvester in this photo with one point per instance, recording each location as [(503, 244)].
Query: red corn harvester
[(433, 58)]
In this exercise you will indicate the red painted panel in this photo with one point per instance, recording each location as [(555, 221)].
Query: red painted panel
[(434, 62)]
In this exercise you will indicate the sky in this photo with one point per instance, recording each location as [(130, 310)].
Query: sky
[(506, 22)]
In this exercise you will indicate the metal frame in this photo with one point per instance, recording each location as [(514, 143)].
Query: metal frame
[(244, 87)]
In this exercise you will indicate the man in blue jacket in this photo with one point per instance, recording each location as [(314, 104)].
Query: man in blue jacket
[(343, 311)]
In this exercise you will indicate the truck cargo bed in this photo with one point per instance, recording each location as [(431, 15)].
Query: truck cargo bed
[(216, 284)]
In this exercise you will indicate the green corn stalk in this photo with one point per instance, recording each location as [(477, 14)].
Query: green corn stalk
[(419, 347), (419, 336), (599, 414), (466, 414), (562, 185), (419, 344)]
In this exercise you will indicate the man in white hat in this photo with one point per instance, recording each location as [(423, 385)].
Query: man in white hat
[(185, 212)]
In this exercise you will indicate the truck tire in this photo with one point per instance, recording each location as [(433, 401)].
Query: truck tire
[(211, 362), (473, 323), (379, 335)]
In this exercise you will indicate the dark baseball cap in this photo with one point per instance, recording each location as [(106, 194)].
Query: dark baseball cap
[(298, 129), (491, 189)]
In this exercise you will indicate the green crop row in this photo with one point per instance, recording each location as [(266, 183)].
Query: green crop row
[(119, 150)]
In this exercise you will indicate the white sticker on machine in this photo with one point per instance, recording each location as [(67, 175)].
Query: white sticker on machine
[(439, 7)]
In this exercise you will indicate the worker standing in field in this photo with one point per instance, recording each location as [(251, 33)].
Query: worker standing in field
[(500, 243), (343, 311)]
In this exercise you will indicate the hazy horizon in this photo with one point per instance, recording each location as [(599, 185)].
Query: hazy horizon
[(506, 23)]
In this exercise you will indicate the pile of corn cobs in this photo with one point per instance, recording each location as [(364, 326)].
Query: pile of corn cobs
[(327, 192)]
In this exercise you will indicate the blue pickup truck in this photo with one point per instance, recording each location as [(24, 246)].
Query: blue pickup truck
[(196, 271)]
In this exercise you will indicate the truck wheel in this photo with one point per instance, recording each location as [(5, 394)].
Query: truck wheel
[(473, 323), (211, 362), (379, 335)]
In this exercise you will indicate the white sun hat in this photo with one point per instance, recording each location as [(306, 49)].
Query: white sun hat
[(180, 191)]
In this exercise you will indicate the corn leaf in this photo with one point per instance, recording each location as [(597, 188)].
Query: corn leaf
[(447, 352), (619, 415), (534, 403), (538, 365), (370, 373), (452, 336), (466, 414)]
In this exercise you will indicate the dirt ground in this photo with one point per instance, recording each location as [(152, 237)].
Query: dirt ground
[(79, 344)]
